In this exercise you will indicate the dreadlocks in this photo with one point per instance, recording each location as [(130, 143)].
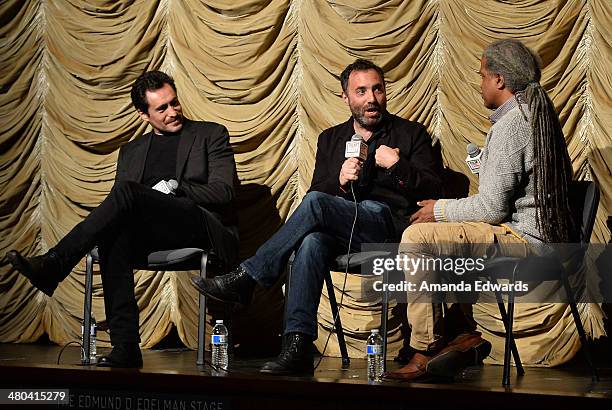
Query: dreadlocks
[(552, 171)]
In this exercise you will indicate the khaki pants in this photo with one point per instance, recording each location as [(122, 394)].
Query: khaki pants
[(435, 239)]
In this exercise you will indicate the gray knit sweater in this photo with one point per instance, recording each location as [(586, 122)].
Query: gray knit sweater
[(506, 190)]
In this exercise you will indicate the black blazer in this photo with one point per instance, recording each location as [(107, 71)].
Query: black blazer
[(205, 171)]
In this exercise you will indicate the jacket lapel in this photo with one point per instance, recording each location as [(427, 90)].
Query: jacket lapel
[(184, 147), (139, 157)]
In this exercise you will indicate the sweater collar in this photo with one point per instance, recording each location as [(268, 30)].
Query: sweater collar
[(512, 102)]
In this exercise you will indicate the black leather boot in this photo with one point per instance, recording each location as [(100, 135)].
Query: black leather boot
[(122, 355), (43, 271), (235, 287), (295, 358)]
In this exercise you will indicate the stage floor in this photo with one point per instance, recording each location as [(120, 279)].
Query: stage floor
[(170, 379)]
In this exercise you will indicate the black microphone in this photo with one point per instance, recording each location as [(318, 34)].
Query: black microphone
[(356, 148), (473, 158)]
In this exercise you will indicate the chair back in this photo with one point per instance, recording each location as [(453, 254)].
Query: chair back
[(584, 200)]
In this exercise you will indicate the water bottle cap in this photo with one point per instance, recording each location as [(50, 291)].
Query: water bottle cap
[(374, 330), (219, 321)]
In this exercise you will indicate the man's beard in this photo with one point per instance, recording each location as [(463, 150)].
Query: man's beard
[(367, 123)]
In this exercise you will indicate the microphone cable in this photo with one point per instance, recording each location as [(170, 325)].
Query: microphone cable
[(73, 342), (348, 253)]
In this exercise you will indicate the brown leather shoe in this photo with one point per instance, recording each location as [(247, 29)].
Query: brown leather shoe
[(468, 349), (415, 370), (464, 339)]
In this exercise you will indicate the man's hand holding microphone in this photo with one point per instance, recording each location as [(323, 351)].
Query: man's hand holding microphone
[(356, 153), (350, 171)]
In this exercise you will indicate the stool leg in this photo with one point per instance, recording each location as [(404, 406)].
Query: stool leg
[(509, 330), (509, 338), (202, 314), (383, 319), (337, 322), (227, 320), (87, 309), (583, 339), (504, 316), (287, 285)]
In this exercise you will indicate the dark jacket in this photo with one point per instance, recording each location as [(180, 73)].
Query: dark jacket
[(417, 175), (205, 171)]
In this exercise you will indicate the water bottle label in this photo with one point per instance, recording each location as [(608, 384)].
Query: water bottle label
[(374, 349), (218, 339)]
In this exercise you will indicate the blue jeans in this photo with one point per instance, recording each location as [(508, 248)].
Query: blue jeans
[(318, 231)]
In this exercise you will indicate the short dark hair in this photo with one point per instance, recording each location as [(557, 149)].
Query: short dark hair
[(149, 81), (359, 65)]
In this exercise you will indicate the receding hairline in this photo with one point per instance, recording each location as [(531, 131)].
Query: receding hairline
[(363, 70)]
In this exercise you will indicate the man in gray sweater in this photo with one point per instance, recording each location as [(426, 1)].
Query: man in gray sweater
[(522, 197)]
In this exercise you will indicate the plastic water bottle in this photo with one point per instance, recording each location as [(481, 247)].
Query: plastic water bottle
[(219, 345), (374, 353), (93, 332)]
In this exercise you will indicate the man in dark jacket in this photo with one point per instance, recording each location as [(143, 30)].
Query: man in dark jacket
[(173, 189), (401, 167)]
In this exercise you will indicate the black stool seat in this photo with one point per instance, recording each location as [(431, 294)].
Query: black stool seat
[(355, 260)]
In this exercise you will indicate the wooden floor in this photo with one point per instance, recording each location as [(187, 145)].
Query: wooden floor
[(170, 379)]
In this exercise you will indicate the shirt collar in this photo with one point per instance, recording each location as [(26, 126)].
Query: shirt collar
[(514, 101)]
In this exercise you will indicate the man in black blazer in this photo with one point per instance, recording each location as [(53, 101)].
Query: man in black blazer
[(173, 189), (401, 167)]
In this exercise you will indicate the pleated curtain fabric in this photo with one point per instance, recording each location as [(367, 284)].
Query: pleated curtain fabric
[(268, 71)]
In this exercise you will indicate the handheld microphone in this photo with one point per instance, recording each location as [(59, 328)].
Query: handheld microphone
[(473, 158), (356, 148), (166, 187)]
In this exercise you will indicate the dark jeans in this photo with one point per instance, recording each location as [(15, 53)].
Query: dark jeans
[(318, 231), (133, 221)]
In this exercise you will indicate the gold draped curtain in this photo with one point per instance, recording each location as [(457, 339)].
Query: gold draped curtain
[(268, 70)]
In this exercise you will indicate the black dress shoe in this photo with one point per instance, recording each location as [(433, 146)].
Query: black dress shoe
[(295, 358), (235, 287), (42, 270), (122, 355)]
